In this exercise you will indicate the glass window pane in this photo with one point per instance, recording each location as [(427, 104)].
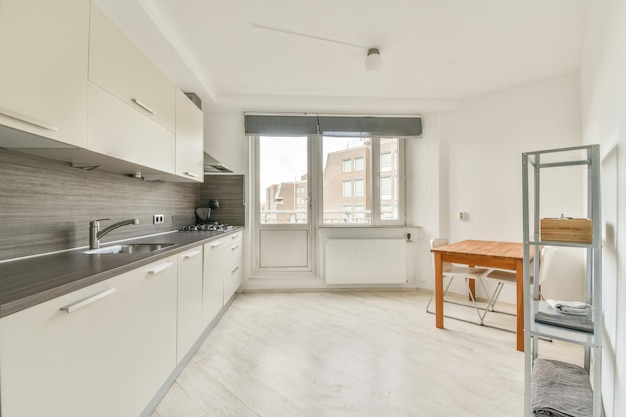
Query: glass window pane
[(385, 161), (347, 188), (359, 188), (385, 188), (359, 164), (359, 214), (342, 187), (283, 173)]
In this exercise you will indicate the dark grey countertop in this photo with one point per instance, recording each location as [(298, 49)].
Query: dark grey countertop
[(31, 281)]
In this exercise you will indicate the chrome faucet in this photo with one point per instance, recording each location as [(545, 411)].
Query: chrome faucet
[(95, 234)]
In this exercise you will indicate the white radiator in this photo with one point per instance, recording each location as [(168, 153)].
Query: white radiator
[(365, 261)]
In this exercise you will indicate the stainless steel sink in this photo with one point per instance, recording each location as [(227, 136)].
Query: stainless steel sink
[(130, 248)]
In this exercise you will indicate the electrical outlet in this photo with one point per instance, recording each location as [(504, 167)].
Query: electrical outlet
[(158, 219)]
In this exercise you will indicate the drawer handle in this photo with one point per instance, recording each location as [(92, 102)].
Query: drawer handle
[(143, 106), (234, 270), (160, 268), (190, 174), (215, 245), (190, 255), (86, 301), (28, 120), (235, 237), (234, 247)]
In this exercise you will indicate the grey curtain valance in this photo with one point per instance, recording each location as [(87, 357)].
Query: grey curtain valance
[(354, 126), (281, 125)]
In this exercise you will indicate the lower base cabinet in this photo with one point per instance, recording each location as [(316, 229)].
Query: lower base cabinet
[(233, 274), (222, 274), (100, 351), (189, 301), (107, 349)]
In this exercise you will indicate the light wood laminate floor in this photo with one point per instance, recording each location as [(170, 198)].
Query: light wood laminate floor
[(353, 354)]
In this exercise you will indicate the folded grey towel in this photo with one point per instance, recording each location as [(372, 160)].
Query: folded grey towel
[(570, 307), (575, 322), (560, 389)]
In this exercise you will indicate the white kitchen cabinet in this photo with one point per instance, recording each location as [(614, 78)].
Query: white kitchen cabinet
[(119, 131), (189, 139), (101, 351), (233, 273), (118, 66), (213, 279), (132, 104), (43, 76), (69, 364), (189, 300), (222, 273), (154, 328)]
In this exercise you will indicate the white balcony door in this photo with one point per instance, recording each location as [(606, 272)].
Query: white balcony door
[(283, 204)]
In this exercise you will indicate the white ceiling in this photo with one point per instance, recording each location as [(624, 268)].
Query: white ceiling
[(433, 51)]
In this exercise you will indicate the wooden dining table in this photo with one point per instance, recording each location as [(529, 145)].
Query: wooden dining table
[(488, 254)]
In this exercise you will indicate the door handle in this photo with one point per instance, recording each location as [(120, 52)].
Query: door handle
[(143, 106), (86, 301), (160, 268)]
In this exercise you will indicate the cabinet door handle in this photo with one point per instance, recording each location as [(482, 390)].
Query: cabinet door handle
[(160, 268), (143, 106), (86, 301), (190, 255), (215, 245), (234, 247), (232, 271), (28, 120), (190, 174)]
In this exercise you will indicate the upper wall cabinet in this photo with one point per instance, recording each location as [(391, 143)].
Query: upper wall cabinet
[(189, 139), (43, 75), (131, 102), (118, 66)]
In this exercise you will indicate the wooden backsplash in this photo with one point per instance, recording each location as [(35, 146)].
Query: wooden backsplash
[(46, 205)]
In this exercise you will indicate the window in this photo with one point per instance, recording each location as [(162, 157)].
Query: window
[(385, 188), (283, 162), (347, 166), (347, 188), (359, 188), (386, 212), (359, 164), (385, 161), (347, 215), (359, 214), (369, 196)]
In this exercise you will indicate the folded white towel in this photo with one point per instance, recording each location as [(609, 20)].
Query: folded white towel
[(570, 307)]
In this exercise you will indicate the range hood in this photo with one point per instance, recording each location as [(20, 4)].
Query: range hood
[(213, 166)]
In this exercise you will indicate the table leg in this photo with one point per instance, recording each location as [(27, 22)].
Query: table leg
[(519, 276), (438, 291), (472, 289)]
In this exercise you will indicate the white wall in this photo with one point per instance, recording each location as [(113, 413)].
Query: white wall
[(423, 179), (603, 88), (481, 146)]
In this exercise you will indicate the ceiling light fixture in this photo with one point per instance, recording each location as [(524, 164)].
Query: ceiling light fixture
[(373, 61)]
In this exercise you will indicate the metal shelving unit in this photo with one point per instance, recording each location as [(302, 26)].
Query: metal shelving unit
[(533, 163)]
